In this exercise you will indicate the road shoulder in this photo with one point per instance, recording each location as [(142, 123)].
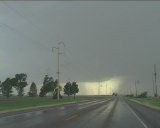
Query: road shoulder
[(145, 104)]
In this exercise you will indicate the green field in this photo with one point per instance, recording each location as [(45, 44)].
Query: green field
[(14, 103), (149, 101)]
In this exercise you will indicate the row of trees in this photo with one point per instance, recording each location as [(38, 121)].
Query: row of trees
[(49, 86), (18, 82), (142, 95)]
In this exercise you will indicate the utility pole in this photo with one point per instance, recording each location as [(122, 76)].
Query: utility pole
[(127, 91), (136, 82), (99, 88), (153, 87), (136, 87), (58, 70), (106, 89), (155, 80), (130, 90)]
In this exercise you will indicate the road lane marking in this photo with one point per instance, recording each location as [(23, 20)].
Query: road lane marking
[(87, 103), (71, 117), (139, 119), (62, 108), (97, 102)]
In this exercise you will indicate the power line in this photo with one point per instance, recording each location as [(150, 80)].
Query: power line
[(21, 34), (22, 15)]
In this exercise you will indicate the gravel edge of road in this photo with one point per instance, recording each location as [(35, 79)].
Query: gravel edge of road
[(146, 105)]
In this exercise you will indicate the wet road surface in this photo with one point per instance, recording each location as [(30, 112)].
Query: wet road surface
[(112, 113)]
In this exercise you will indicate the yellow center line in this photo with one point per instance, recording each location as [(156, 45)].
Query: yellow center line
[(71, 117)]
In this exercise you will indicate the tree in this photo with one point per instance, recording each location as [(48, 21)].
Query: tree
[(19, 83), (6, 87), (143, 95), (33, 90), (67, 88), (74, 89), (55, 91), (49, 85)]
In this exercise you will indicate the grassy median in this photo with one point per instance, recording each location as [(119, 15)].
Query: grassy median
[(14, 103), (149, 101)]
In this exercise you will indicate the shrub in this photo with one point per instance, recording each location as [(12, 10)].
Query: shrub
[(143, 95)]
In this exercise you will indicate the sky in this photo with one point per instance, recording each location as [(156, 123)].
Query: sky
[(107, 43)]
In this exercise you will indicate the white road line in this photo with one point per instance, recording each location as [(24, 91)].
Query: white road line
[(87, 103), (139, 119), (93, 104)]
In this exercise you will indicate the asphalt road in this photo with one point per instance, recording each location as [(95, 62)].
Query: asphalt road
[(114, 113)]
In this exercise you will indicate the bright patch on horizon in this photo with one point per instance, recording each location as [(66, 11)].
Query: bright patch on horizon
[(100, 88)]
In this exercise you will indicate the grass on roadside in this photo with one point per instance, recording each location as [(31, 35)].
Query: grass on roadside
[(149, 101), (25, 102)]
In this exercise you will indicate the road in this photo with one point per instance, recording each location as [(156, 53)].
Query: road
[(113, 113)]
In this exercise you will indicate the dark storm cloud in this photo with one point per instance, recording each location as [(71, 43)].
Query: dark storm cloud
[(103, 40)]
